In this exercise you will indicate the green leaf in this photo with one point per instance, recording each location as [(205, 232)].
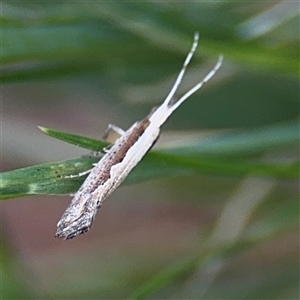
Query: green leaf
[(54, 43), (244, 143), (278, 222), (44, 179), (131, 49), (176, 271), (11, 286), (50, 179), (209, 157), (80, 141)]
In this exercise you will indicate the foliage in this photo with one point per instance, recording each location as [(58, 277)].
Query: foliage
[(256, 95)]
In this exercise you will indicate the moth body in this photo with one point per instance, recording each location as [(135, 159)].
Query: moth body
[(121, 158)]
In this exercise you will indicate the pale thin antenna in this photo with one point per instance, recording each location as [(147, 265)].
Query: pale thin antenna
[(161, 114), (183, 69), (198, 85)]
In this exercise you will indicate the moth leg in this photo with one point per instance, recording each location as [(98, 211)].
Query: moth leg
[(79, 174), (95, 154), (112, 133)]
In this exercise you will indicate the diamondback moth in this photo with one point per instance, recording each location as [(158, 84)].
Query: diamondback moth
[(125, 153)]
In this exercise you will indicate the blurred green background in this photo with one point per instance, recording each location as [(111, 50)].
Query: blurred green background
[(221, 224)]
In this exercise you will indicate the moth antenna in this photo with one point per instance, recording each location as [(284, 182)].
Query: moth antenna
[(213, 71), (183, 69)]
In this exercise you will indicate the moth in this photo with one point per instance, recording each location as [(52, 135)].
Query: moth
[(124, 154)]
